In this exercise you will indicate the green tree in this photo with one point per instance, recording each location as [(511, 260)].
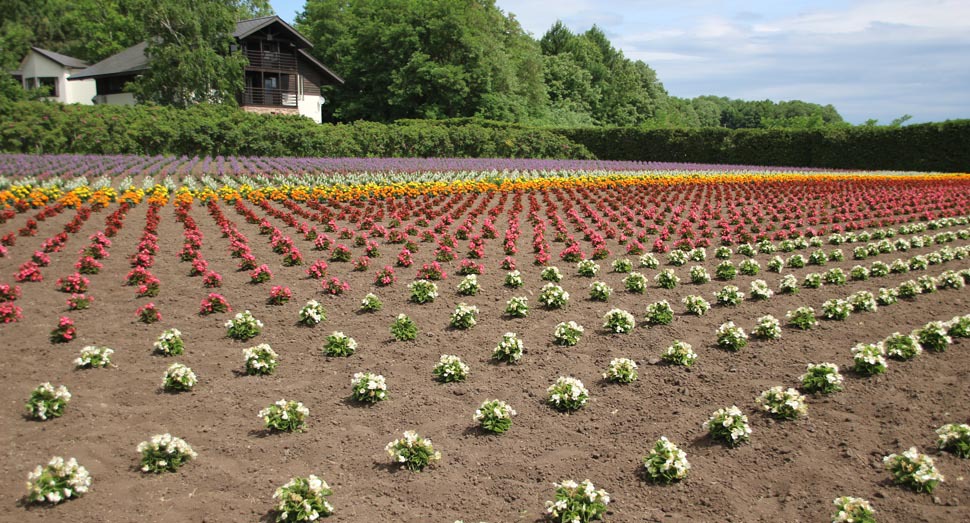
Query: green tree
[(425, 59), (189, 53)]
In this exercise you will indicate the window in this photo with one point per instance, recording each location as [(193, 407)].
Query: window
[(48, 82)]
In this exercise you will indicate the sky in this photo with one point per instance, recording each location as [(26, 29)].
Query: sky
[(869, 58)]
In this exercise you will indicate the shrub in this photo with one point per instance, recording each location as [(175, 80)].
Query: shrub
[(781, 403), (933, 336), (243, 326), (636, 282), (423, 291), (728, 425), (371, 303), (94, 357), (680, 353), (567, 394), (914, 470), (768, 328), (403, 328), (517, 307), (665, 463), (509, 349), (285, 416), (178, 378), (823, 378), (577, 502), (619, 321), (600, 291), (367, 387), (729, 295), (47, 402), (659, 313), (412, 451), (954, 437), (261, 359), (869, 358), (164, 453), (57, 481), (339, 345), (303, 499), (621, 370), (853, 510), (494, 416), (802, 317)]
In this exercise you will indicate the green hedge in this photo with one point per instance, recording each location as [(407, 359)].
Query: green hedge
[(924, 147), (39, 127)]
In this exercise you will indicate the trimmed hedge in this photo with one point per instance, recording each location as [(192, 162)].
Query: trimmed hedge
[(44, 127), (924, 147)]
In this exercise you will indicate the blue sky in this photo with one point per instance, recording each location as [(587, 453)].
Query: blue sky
[(869, 58)]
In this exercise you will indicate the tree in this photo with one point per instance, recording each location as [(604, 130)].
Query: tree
[(425, 59), (190, 54)]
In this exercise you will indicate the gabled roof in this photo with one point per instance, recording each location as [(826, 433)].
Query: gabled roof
[(133, 60), (323, 69), (63, 59), (248, 27), (129, 61)]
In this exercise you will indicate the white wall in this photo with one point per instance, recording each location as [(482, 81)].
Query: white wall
[(38, 66), (309, 106)]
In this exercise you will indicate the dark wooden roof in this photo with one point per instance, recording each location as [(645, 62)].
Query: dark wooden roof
[(63, 59)]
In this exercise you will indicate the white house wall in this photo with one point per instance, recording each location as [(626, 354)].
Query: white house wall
[(38, 66), (309, 106)]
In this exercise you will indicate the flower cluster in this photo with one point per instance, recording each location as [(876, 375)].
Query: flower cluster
[(412, 451), (148, 313), (568, 333), (164, 453), (729, 295), (567, 394), (933, 336), (667, 279), (802, 317), (423, 291), (636, 282), (243, 326), (659, 313), (214, 303), (783, 404), (178, 378), (509, 349), (303, 499), (954, 437), (285, 416), (729, 425), (822, 378), (517, 307), (464, 317), (450, 368), (853, 510), (279, 295), (261, 359), (57, 481), (696, 304), (47, 402), (494, 416), (403, 328), (371, 303), (64, 332), (367, 387), (93, 357), (600, 291), (665, 463), (169, 343), (619, 321), (913, 470), (552, 296), (577, 502), (587, 268), (312, 313), (731, 336), (621, 370), (469, 286), (339, 344), (869, 358), (679, 353)]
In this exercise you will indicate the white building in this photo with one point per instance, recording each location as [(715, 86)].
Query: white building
[(43, 68)]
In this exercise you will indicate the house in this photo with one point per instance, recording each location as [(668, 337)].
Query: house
[(43, 68), (282, 76)]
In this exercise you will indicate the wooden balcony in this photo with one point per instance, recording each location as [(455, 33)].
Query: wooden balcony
[(270, 61), (269, 97)]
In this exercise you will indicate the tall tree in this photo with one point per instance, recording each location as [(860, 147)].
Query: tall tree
[(425, 58), (190, 53)]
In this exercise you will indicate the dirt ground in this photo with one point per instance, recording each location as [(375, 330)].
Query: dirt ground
[(790, 471)]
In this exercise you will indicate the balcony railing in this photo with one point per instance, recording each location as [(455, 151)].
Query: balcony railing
[(272, 97), (270, 60)]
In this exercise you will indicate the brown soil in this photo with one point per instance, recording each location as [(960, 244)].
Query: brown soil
[(791, 471)]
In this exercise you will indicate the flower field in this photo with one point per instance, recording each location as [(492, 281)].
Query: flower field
[(251, 339)]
